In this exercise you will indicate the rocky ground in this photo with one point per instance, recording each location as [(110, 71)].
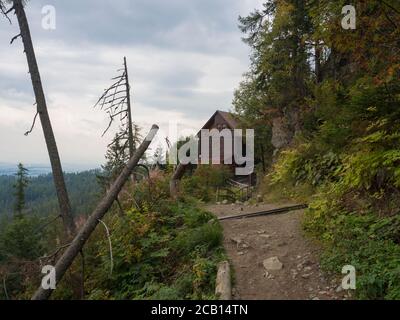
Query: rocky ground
[(272, 259)]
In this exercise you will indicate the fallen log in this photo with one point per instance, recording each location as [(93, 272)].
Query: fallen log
[(265, 213), (105, 204)]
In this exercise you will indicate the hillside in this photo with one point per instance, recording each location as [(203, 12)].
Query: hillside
[(313, 122), (41, 197), (325, 103)]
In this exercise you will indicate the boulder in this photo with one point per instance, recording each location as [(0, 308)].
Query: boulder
[(272, 264)]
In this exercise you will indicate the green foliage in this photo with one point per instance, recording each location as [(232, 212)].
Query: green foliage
[(368, 242), (375, 163), (149, 192), (280, 73), (20, 239), (40, 195), (162, 249), (205, 181), (302, 164), (25, 238), (248, 103), (116, 157), (344, 155), (170, 252), (21, 244)]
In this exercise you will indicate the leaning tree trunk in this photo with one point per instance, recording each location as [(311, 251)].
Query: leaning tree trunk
[(58, 176), (104, 205)]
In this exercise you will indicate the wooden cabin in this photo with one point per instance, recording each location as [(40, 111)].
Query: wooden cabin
[(220, 120)]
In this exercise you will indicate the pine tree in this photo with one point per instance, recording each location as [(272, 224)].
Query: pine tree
[(116, 158), (275, 90), (20, 186)]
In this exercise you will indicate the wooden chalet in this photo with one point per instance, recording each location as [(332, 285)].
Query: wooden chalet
[(220, 120)]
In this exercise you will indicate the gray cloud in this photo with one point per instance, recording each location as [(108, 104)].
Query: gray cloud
[(174, 23), (185, 59)]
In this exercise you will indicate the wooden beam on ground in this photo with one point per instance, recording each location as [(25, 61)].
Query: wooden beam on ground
[(265, 213)]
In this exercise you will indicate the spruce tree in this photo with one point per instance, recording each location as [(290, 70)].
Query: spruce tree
[(20, 186), (116, 158)]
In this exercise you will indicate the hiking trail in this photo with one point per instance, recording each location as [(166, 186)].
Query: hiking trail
[(270, 257)]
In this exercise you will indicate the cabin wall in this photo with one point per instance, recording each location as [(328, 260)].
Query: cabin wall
[(219, 123)]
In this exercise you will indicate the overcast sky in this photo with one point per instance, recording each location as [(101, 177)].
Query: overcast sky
[(185, 59)]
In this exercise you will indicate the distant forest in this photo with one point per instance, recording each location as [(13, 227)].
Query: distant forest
[(41, 195)]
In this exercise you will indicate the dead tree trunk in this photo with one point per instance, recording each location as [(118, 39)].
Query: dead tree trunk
[(128, 101), (116, 101), (79, 241), (63, 199)]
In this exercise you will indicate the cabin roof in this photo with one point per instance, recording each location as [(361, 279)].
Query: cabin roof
[(228, 118)]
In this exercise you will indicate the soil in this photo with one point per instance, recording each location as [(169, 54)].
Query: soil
[(250, 241)]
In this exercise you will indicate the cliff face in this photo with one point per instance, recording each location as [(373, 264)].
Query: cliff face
[(281, 135), (284, 129)]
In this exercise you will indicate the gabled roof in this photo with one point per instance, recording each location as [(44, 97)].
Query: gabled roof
[(227, 116), (230, 119)]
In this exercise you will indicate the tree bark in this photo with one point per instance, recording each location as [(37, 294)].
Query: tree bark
[(62, 194), (128, 100), (105, 204)]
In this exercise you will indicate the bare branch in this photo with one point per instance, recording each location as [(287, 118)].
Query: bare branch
[(55, 252), (118, 113), (5, 289), (114, 94), (115, 101), (33, 124), (47, 224), (110, 245), (119, 77), (123, 116), (113, 86), (114, 107), (108, 127), (15, 38), (6, 12)]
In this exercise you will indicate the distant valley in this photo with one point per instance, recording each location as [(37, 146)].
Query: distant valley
[(35, 170), (40, 195)]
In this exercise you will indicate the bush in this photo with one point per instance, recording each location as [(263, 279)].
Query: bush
[(368, 242), (205, 181), (168, 252), (302, 164), (21, 240)]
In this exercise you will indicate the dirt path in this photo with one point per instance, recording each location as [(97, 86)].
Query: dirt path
[(250, 242)]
